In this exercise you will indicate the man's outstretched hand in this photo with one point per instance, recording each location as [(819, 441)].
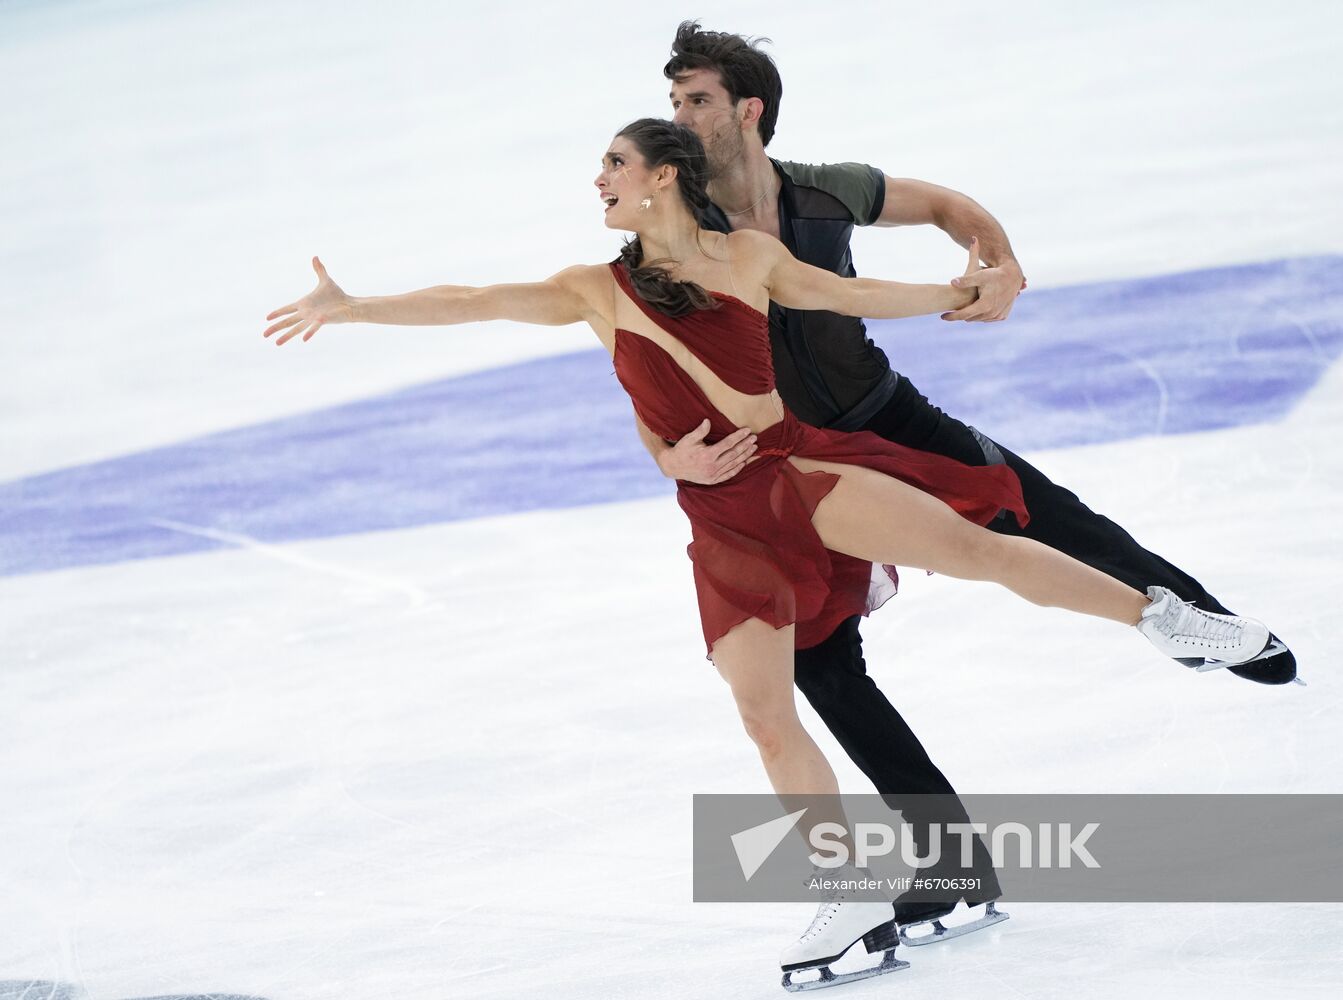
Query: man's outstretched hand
[(693, 461), (998, 290)]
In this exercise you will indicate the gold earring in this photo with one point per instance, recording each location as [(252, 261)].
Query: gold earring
[(646, 204)]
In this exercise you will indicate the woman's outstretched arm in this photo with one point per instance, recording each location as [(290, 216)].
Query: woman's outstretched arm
[(557, 301), (795, 285)]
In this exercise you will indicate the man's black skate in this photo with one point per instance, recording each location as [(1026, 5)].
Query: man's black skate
[(1275, 665), (920, 928), (919, 913)]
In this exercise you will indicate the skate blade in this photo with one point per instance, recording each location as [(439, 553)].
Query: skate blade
[(938, 931), (889, 963), (1274, 647)]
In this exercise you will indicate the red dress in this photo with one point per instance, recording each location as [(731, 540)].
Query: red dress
[(754, 550)]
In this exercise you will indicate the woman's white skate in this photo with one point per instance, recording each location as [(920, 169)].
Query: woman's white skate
[(1184, 632), (837, 927)]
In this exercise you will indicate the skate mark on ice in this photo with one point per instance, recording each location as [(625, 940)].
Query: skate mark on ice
[(41, 989), (415, 596)]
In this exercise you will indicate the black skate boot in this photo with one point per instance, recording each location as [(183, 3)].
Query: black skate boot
[(1275, 665), (920, 913), (921, 921)]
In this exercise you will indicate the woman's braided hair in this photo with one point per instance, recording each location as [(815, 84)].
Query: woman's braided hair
[(662, 142)]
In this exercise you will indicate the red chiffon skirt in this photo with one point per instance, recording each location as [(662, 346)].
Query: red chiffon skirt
[(756, 554)]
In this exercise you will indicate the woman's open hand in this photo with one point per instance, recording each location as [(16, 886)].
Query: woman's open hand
[(970, 268), (327, 303), (970, 288)]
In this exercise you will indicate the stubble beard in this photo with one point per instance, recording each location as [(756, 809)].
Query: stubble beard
[(723, 148)]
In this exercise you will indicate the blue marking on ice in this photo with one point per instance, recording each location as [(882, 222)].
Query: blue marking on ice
[(1171, 354), (1087, 364)]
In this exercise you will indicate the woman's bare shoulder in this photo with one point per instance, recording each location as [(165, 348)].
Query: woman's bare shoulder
[(754, 242), (590, 285), (585, 274), (591, 281), (754, 254)]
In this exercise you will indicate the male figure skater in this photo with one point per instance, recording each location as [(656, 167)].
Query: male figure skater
[(831, 375)]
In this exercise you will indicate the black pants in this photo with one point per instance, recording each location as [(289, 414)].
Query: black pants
[(1058, 518), (833, 675)]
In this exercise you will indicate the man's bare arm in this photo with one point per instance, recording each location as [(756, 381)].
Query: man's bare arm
[(693, 461), (917, 203)]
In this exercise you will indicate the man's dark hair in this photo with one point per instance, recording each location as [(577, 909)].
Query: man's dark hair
[(743, 68)]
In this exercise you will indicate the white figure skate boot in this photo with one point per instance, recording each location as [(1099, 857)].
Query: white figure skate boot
[(1180, 630), (837, 927)]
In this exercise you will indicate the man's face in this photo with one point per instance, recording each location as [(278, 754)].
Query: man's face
[(700, 102)]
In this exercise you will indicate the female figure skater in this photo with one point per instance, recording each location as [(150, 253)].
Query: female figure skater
[(783, 551)]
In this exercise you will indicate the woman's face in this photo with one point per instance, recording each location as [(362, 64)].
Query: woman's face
[(623, 183)]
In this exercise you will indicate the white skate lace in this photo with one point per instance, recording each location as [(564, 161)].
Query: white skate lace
[(824, 915), (1182, 618)]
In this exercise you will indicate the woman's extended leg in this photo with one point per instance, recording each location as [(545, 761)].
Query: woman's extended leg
[(873, 516), (756, 660)]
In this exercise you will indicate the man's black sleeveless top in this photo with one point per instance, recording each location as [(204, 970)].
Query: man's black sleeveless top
[(828, 371)]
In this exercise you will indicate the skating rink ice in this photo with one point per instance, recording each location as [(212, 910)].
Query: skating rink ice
[(370, 667)]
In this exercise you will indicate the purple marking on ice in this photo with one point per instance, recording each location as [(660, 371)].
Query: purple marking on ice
[(1080, 365), (1105, 362)]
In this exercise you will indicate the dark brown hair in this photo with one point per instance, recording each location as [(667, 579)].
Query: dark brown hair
[(743, 68), (662, 142)]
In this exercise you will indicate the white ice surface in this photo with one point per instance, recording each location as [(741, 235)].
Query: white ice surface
[(458, 760), (400, 760)]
